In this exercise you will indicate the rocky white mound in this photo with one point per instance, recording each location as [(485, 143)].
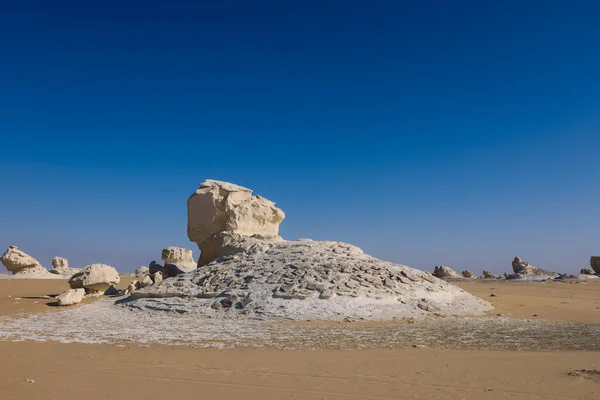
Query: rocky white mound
[(304, 280)]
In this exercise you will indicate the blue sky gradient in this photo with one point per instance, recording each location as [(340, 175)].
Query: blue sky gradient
[(426, 132)]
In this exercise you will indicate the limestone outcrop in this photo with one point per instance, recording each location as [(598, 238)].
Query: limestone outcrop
[(95, 278), (523, 270), (444, 272), (595, 264), (142, 271), (218, 207), (178, 261), (469, 274), (20, 263), (70, 297), (61, 267), (305, 280), (490, 275)]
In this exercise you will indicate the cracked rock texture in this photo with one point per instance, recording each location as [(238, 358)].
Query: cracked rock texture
[(304, 280)]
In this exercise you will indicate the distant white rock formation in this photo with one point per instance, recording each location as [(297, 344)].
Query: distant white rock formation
[(22, 264)]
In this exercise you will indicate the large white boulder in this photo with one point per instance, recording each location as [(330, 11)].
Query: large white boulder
[(20, 263), (95, 278), (70, 297), (224, 207)]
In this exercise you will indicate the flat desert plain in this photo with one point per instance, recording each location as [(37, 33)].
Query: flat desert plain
[(440, 370)]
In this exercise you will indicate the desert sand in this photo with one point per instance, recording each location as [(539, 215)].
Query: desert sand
[(51, 370)]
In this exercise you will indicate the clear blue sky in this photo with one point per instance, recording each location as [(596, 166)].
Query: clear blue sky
[(460, 133)]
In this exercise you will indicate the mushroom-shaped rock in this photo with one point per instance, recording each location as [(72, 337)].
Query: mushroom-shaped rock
[(70, 297), (595, 264), (468, 274), (444, 272), (177, 261), (20, 263), (224, 207), (95, 278)]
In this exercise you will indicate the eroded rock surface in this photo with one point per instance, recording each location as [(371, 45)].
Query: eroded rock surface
[(469, 274), (305, 280), (61, 267), (490, 275), (218, 207), (177, 261), (141, 272), (444, 272), (95, 278), (524, 270), (20, 263)]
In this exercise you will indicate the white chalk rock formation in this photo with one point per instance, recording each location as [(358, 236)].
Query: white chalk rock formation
[(20, 263), (142, 271), (306, 280), (595, 264), (444, 272), (70, 297), (490, 275), (61, 268), (218, 207), (525, 271), (468, 274), (95, 278), (177, 261), (248, 271)]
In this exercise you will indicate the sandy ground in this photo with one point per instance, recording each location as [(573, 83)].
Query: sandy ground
[(74, 371), (565, 301)]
